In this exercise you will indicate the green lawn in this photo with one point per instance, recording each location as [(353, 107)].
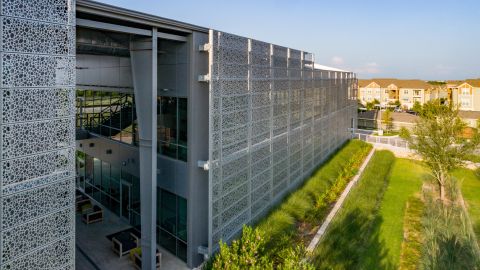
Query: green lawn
[(470, 185), (405, 180), (352, 240), (367, 233)]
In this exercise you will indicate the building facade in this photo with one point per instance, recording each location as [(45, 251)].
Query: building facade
[(466, 94), (184, 132), (406, 92), (37, 148)]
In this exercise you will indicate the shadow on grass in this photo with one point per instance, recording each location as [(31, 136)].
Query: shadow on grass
[(353, 243)]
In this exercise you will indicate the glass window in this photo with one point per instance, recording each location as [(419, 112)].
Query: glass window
[(182, 121), (110, 114), (167, 119), (105, 177), (97, 172), (182, 219), (172, 127), (172, 222), (168, 213)]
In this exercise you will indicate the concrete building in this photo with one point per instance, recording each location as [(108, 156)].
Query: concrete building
[(184, 132), (407, 92)]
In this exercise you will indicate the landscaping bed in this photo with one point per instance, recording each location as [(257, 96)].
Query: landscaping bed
[(352, 241), (297, 218), (281, 237)]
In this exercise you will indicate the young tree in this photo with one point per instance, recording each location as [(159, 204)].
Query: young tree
[(387, 120), (417, 107), (439, 139)]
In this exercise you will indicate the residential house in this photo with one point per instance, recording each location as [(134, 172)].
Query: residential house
[(407, 92), (466, 94)]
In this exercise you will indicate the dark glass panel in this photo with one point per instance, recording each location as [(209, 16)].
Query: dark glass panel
[(182, 219), (182, 250), (169, 211), (97, 172), (167, 240), (182, 153), (105, 177), (167, 120), (182, 121), (168, 149)]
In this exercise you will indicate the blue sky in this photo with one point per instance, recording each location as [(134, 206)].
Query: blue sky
[(425, 39)]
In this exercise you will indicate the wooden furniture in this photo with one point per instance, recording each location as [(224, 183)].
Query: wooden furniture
[(137, 260), (83, 204), (123, 243), (95, 215)]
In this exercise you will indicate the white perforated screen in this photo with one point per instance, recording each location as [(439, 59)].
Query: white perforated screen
[(273, 120)]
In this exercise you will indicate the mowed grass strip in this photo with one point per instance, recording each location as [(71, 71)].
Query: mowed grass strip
[(470, 186), (405, 180), (353, 241), (411, 252), (281, 225)]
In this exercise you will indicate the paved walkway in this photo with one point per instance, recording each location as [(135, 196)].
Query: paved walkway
[(95, 248)]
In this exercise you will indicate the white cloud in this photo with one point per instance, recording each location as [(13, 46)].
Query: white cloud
[(337, 61), (369, 68)]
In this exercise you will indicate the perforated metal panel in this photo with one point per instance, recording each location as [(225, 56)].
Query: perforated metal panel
[(37, 154), (273, 120)]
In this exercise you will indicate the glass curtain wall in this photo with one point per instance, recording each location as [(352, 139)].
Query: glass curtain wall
[(110, 114), (109, 185), (172, 127), (119, 192), (172, 223)]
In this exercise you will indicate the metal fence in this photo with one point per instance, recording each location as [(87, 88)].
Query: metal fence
[(392, 141)]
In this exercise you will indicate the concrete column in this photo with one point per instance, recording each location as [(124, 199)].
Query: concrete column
[(143, 54), (197, 203)]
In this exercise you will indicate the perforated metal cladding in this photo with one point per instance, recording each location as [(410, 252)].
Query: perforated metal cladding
[(37, 134), (273, 119)]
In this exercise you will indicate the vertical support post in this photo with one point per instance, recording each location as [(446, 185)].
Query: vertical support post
[(144, 70)]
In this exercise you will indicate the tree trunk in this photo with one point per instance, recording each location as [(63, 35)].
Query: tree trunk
[(442, 192)]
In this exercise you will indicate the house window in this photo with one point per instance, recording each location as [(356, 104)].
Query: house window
[(465, 91), (464, 102), (416, 92), (405, 92)]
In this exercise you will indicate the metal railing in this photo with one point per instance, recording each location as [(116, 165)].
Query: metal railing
[(392, 141)]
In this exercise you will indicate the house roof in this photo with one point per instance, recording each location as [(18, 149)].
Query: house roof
[(384, 83), (473, 82)]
